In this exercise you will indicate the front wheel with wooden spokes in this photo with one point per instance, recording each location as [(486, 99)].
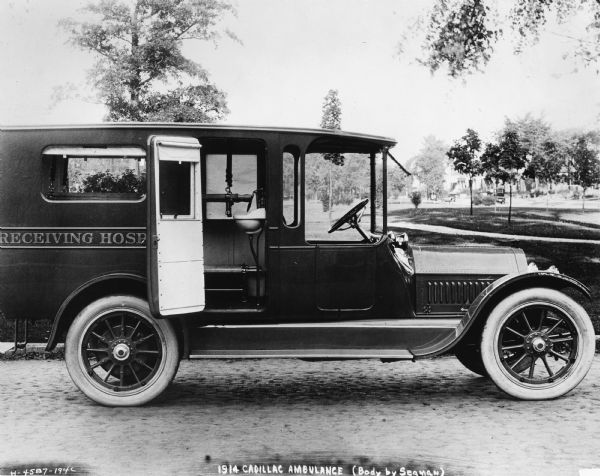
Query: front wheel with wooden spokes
[(537, 344), (118, 355)]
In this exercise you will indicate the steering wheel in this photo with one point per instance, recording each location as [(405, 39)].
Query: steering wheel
[(352, 217)]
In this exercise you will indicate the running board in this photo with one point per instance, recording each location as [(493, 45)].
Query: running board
[(402, 339), (303, 354)]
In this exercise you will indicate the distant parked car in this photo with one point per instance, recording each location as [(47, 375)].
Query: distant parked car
[(500, 198)]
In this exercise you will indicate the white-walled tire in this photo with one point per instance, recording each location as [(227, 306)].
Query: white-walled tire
[(538, 344), (118, 355)]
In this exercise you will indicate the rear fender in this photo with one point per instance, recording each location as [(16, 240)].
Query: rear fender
[(94, 289)]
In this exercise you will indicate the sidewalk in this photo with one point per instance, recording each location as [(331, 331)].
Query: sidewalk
[(445, 230)]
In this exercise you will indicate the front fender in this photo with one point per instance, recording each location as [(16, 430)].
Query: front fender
[(472, 322), (503, 287), (512, 283)]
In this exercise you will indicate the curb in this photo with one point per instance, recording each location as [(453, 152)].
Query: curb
[(33, 349)]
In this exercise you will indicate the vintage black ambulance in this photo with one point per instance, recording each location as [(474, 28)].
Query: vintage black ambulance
[(149, 243)]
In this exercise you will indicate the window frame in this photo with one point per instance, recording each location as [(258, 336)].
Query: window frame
[(84, 152), (294, 151)]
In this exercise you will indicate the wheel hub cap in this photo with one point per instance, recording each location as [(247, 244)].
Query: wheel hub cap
[(538, 344), (121, 351)]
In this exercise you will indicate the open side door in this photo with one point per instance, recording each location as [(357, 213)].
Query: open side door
[(175, 240)]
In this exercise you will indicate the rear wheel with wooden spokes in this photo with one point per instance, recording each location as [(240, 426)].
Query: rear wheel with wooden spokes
[(118, 355)]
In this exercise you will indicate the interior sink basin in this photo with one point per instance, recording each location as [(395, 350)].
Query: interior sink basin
[(251, 222)]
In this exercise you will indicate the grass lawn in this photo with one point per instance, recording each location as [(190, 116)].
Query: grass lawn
[(525, 221)]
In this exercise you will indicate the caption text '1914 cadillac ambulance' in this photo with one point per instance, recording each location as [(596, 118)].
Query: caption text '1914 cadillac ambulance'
[(148, 243)]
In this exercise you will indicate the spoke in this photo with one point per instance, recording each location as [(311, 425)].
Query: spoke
[(121, 374), (134, 374), (542, 318), (515, 332), (143, 339), (554, 326), (511, 347), (564, 339), (144, 364), (97, 350), (526, 321), (547, 366), (110, 329), (532, 367), (100, 362), (148, 352), (135, 329), (518, 361), (102, 338), (122, 324), (110, 371), (560, 356)]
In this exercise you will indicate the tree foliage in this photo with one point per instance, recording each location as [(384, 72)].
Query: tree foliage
[(141, 73), (461, 34), (332, 119), (126, 182), (585, 161), (429, 165)]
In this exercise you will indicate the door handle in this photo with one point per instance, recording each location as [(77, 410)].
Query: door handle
[(155, 240)]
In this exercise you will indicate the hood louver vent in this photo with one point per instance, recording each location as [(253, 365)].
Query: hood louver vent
[(454, 292)]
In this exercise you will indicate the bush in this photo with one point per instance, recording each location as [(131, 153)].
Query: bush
[(477, 199), (488, 200), (415, 198), (103, 182), (535, 193)]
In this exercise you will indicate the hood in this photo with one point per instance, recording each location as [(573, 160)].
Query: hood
[(447, 278), (480, 260)]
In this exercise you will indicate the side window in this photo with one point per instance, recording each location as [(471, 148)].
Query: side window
[(291, 186), (175, 180), (336, 179), (91, 173), (229, 173)]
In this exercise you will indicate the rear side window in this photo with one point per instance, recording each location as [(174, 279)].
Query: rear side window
[(94, 173)]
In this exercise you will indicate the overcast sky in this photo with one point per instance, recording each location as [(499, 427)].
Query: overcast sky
[(293, 52)]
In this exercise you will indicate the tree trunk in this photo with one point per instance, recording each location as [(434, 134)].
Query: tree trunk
[(583, 200), (471, 191), (329, 193), (496, 196), (509, 202), (136, 81)]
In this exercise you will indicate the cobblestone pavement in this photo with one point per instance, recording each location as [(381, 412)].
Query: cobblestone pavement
[(430, 414)]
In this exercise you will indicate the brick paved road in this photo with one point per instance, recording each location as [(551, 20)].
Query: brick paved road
[(416, 415)]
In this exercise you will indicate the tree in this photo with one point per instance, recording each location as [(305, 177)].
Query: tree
[(533, 132), (464, 156), (331, 119), (546, 164), (141, 73), (585, 162), (429, 165), (505, 161), (461, 34)]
